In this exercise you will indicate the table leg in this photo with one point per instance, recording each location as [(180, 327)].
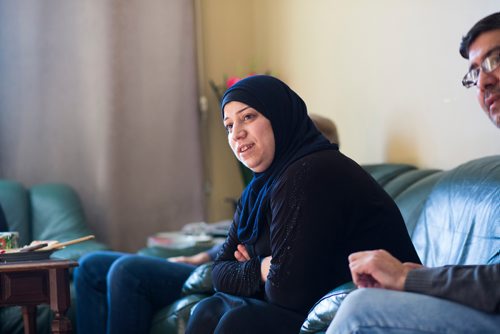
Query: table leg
[(60, 300), (29, 319)]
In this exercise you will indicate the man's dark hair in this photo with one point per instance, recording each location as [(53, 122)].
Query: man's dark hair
[(490, 22)]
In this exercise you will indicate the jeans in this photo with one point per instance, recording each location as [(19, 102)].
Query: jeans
[(119, 293), (386, 311)]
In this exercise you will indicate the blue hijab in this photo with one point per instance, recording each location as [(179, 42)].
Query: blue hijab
[(295, 137)]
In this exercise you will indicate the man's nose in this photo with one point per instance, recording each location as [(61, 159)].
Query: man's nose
[(486, 80)]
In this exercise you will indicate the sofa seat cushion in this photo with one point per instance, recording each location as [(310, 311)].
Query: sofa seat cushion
[(460, 223)]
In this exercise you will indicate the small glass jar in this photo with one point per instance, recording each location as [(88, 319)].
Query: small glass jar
[(9, 240)]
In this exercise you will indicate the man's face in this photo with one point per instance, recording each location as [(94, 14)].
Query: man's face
[(488, 84)]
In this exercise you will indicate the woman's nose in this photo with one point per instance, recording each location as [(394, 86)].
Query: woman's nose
[(238, 132)]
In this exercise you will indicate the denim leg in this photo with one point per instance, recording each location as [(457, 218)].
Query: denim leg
[(385, 311), (137, 287), (91, 291)]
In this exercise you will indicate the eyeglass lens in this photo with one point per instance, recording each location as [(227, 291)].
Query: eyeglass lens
[(488, 65)]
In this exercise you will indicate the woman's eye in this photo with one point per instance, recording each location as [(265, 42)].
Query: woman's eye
[(228, 127), (248, 117)]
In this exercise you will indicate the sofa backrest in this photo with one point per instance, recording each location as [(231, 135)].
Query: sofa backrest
[(57, 213), (453, 217), (460, 220), (407, 185), (15, 202), (411, 201), (50, 211)]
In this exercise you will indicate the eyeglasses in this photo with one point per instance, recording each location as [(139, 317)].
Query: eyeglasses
[(488, 65)]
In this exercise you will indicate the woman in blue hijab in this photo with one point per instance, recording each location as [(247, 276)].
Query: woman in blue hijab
[(306, 209)]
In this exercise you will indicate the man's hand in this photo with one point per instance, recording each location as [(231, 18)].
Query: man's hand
[(379, 269), (196, 259)]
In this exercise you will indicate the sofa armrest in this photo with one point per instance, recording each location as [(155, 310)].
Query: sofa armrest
[(322, 313), (200, 281), (174, 318)]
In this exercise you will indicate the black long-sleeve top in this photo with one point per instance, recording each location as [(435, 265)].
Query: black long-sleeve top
[(321, 209)]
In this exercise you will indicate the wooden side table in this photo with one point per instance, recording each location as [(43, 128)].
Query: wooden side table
[(30, 283)]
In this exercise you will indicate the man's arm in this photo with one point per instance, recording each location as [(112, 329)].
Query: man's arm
[(200, 258), (474, 286)]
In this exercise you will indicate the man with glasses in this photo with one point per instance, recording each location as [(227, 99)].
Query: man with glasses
[(414, 299), (481, 46)]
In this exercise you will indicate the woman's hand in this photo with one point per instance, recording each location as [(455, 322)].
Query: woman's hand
[(265, 264), (241, 253)]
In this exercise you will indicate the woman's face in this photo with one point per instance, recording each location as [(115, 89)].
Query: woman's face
[(250, 136)]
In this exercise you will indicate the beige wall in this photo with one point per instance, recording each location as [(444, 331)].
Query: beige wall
[(222, 52), (388, 72)]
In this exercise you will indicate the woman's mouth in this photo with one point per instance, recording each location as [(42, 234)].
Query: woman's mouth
[(245, 150)]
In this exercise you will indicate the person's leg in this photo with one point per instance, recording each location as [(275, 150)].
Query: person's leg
[(226, 314), (140, 285), (385, 311), (91, 291), (258, 316), (206, 315)]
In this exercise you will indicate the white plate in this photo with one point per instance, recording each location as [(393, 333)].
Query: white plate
[(173, 240)]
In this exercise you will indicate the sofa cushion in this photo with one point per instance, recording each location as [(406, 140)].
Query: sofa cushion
[(399, 184), (460, 223), (57, 213), (411, 201), (383, 173)]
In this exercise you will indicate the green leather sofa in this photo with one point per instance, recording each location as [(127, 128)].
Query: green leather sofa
[(452, 216), (43, 212)]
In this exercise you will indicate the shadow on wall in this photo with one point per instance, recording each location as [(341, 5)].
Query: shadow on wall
[(401, 148)]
